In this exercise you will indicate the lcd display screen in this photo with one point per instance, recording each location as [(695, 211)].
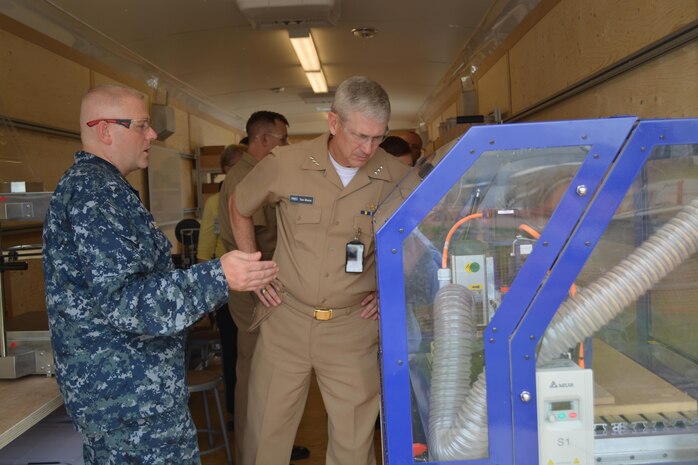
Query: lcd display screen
[(558, 406)]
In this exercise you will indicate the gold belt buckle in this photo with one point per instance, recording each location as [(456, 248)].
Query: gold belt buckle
[(322, 314)]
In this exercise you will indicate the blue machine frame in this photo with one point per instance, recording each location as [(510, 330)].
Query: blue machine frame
[(618, 149)]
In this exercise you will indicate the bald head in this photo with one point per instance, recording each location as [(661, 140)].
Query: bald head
[(104, 102), (119, 127)]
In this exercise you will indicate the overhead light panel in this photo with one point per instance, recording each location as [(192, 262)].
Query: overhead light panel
[(304, 47), (317, 81)]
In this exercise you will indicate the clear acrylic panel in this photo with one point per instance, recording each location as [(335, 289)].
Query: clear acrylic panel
[(645, 357), (482, 231)]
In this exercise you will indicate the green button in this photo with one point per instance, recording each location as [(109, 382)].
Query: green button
[(473, 267), (561, 415)]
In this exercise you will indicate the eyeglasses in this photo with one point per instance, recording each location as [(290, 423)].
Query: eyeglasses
[(141, 124), (282, 137), (364, 138)]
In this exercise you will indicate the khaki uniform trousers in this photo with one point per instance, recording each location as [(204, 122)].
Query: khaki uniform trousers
[(241, 305), (343, 352)]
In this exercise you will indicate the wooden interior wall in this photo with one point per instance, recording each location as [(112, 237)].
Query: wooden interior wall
[(31, 156), (202, 133), (39, 85), (42, 82), (666, 87), (494, 90), (576, 39)]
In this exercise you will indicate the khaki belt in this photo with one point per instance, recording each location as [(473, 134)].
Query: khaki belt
[(320, 314)]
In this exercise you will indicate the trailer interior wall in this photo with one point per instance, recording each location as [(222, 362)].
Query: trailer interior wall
[(569, 42), (42, 82), (537, 72)]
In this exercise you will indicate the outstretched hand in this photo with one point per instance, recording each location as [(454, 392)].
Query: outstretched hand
[(245, 271)]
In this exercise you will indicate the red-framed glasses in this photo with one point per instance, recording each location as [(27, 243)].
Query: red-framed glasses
[(142, 124)]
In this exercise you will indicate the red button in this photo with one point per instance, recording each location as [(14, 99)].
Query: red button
[(573, 414)]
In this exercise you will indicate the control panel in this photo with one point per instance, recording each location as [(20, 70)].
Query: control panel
[(565, 414), (476, 272)]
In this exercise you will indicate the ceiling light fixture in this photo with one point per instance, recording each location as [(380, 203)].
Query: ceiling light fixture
[(303, 45), (317, 81)]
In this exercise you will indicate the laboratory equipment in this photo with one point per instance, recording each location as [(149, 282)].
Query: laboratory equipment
[(529, 247), (25, 345)]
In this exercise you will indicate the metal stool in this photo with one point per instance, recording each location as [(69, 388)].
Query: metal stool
[(203, 381), (207, 341)]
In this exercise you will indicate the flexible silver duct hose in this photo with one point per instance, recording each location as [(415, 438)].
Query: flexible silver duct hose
[(454, 343), (593, 307), (463, 435)]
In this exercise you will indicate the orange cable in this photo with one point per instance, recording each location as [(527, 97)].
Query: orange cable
[(444, 258), (524, 227)]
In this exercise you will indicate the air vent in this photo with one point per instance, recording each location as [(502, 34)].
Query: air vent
[(290, 13), (317, 99)]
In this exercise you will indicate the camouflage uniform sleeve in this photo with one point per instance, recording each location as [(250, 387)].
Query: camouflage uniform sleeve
[(128, 266)]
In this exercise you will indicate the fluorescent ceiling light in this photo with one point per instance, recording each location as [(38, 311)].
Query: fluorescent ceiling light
[(304, 47), (317, 81)]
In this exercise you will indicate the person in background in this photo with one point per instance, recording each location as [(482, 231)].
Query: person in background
[(415, 142), (210, 244), (265, 131), (321, 314), (117, 307), (399, 148), (209, 247)]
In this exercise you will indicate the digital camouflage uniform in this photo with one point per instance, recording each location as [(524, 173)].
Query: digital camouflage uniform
[(117, 311)]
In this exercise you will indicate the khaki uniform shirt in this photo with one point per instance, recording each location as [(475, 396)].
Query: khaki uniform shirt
[(264, 218), (317, 216)]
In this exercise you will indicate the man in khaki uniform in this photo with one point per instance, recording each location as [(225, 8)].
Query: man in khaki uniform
[(265, 130), (321, 312), (415, 142)]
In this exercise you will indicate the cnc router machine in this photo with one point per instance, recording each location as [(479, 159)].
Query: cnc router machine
[(539, 297)]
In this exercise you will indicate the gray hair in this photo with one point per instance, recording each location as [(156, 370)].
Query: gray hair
[(361, 94)]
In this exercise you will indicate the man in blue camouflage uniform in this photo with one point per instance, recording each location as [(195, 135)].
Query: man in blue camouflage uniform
[(117, 308)]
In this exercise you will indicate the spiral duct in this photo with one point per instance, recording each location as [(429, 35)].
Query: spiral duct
[(595, 306), (458, 414), (454, 343)]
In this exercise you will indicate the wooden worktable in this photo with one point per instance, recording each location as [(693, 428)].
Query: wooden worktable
[(630, 388), (24, 402)]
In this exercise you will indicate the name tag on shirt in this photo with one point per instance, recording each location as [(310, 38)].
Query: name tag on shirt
[(301, 199)]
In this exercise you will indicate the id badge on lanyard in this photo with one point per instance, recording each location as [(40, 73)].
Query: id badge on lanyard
[(355, 255)]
